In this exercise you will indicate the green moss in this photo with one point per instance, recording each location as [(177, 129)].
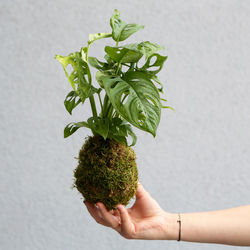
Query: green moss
[(106, 172)]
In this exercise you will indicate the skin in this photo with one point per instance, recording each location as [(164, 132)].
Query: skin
[(147, 220)]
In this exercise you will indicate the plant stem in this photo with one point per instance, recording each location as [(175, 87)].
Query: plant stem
[(93, 106), (132, 66), (117, 68), (115, 114), (91, 98), (110, 111), (105, 105), (99, 96)]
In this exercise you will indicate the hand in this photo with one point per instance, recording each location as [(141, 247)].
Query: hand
[(144, 220)]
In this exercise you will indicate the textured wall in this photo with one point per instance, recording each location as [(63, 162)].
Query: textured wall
[(200, 157)]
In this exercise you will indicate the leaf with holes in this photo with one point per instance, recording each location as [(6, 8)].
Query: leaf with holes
[(131, 53), (146, 48), (153, 68), (142, 107), (72, 127), (71, 101), (80, 70), (156, 80)]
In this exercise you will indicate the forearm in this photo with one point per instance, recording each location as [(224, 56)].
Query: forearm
[(230, 226)]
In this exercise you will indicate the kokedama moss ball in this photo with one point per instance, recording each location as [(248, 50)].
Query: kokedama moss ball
[(106, 172)]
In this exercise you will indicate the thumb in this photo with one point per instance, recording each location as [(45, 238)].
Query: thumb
[(141, 192)]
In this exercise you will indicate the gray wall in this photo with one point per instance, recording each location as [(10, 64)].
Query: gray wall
[(200, 158)]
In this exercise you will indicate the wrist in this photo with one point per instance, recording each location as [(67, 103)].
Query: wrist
[(172, 226)]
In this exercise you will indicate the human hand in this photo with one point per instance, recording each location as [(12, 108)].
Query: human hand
[(144, 220)]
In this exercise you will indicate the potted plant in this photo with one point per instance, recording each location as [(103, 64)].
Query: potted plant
[(128, 95)]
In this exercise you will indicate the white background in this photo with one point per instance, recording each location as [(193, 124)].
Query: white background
[(199, 160)]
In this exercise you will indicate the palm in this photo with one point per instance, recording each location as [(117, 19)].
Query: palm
[(146, 216), (145, 206), (144, 220)]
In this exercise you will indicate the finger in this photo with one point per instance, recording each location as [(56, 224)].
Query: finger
[(109, 219), (95, 213), (127, 227), (115, 213)]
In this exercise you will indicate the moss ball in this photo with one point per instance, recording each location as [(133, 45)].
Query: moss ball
[(106, 172)]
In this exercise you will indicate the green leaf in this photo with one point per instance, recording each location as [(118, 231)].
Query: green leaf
[(146, 48), (121, 30), (72, 127), (108, 59), (119, 129), (94, 62), (98, 77), (156, 79), (99, 125), (94, 37), (94, 90), (168, 107), (132, 134), (123, 55), (142, 107), (101, 66), (131, 53), (157, 65), (80, 69), (71, 101), (118, 138)]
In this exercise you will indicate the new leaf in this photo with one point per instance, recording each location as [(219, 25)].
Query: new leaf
[(121, 30)]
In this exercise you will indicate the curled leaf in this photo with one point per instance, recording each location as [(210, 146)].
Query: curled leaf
[(97, 36), (120, 30), (71, 101)]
